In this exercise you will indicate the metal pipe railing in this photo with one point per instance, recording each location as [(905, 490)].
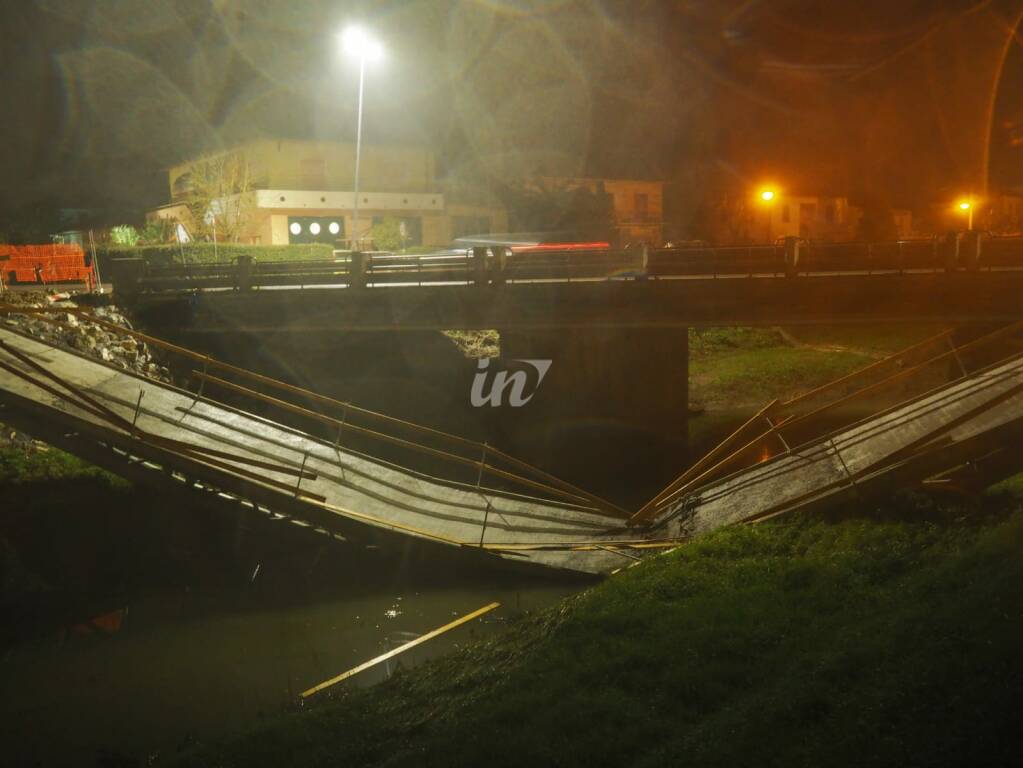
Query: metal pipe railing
[(540, 481)]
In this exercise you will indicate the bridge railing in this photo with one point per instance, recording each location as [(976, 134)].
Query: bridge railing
[(1000, 253), (729, 260), (480, 266)]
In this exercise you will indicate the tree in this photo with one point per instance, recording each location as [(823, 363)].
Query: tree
[(218, 196), (156, 232), (725, 220), (31, 222), (558, 207)]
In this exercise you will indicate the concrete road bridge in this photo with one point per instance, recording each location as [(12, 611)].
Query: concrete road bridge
[(966, 278), (614, 322)]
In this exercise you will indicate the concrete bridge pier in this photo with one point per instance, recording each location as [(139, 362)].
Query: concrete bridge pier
[(611, 413)]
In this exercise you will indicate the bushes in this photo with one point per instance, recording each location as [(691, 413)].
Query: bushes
[(386, 234), (204, 253), (124, 235)]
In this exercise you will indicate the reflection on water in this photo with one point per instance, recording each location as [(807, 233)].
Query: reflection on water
[(193, 665)]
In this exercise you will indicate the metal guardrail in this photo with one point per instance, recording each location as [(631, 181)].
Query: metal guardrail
[(967, 252)]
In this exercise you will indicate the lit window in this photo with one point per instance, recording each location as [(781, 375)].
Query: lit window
[(314, 228), (334, 227), (296, 228)]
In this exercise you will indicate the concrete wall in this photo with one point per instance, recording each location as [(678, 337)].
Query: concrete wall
[(612, 410)]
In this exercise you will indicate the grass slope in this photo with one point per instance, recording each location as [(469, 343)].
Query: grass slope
[(733, 367), (38, 463), (806, 643)]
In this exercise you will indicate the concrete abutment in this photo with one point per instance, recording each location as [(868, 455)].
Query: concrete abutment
[(611, 413)]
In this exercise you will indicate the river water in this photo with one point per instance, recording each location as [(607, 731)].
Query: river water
[(231, 633), (203, 662)]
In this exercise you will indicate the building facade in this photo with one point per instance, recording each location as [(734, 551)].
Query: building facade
[(277, 192), (1000, 214), (742, 220), (811, 217)]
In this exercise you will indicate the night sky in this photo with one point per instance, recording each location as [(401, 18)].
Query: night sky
[(882, 99)]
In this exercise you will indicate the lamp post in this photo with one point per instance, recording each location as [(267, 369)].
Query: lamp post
[(358, 43), (765, 197), (966, 206)]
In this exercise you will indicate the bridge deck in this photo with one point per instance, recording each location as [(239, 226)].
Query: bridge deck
[(250, 458), (970, 419), (356, 489)]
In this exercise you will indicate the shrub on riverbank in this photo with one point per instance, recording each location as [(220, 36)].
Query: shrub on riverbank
[(23, 461), (205, 253), (856, 643)]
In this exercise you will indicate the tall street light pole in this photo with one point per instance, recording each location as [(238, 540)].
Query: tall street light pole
[(358, 43), (358, 154), (766, 197)]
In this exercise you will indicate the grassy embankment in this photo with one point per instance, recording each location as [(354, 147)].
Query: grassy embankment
[(860, 642), (741, 367), (50, 501), (74, 537), (21, 465), (735, 371)]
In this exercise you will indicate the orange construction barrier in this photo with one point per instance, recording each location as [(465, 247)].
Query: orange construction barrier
[(53, 263)]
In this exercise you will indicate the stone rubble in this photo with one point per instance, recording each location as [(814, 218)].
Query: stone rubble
[(78, 333)]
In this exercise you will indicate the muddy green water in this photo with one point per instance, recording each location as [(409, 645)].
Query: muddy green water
[(187, 666)]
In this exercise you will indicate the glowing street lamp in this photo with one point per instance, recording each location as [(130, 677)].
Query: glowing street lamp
[(358, 43), (765, 197), (966, 206)]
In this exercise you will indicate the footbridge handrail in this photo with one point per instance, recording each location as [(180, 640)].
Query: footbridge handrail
[(531, 477), (740, 450)]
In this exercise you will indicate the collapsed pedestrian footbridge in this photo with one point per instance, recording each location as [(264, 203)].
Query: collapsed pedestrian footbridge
[(944, 412)]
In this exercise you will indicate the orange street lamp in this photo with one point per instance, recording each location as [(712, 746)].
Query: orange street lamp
[(765, 197), (966, 206)]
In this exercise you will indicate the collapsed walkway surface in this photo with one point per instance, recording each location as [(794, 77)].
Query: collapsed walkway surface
[(158, 434), (343, 492), (972, 419)]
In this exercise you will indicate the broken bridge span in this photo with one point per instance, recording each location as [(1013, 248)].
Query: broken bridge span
[(937, 412)]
